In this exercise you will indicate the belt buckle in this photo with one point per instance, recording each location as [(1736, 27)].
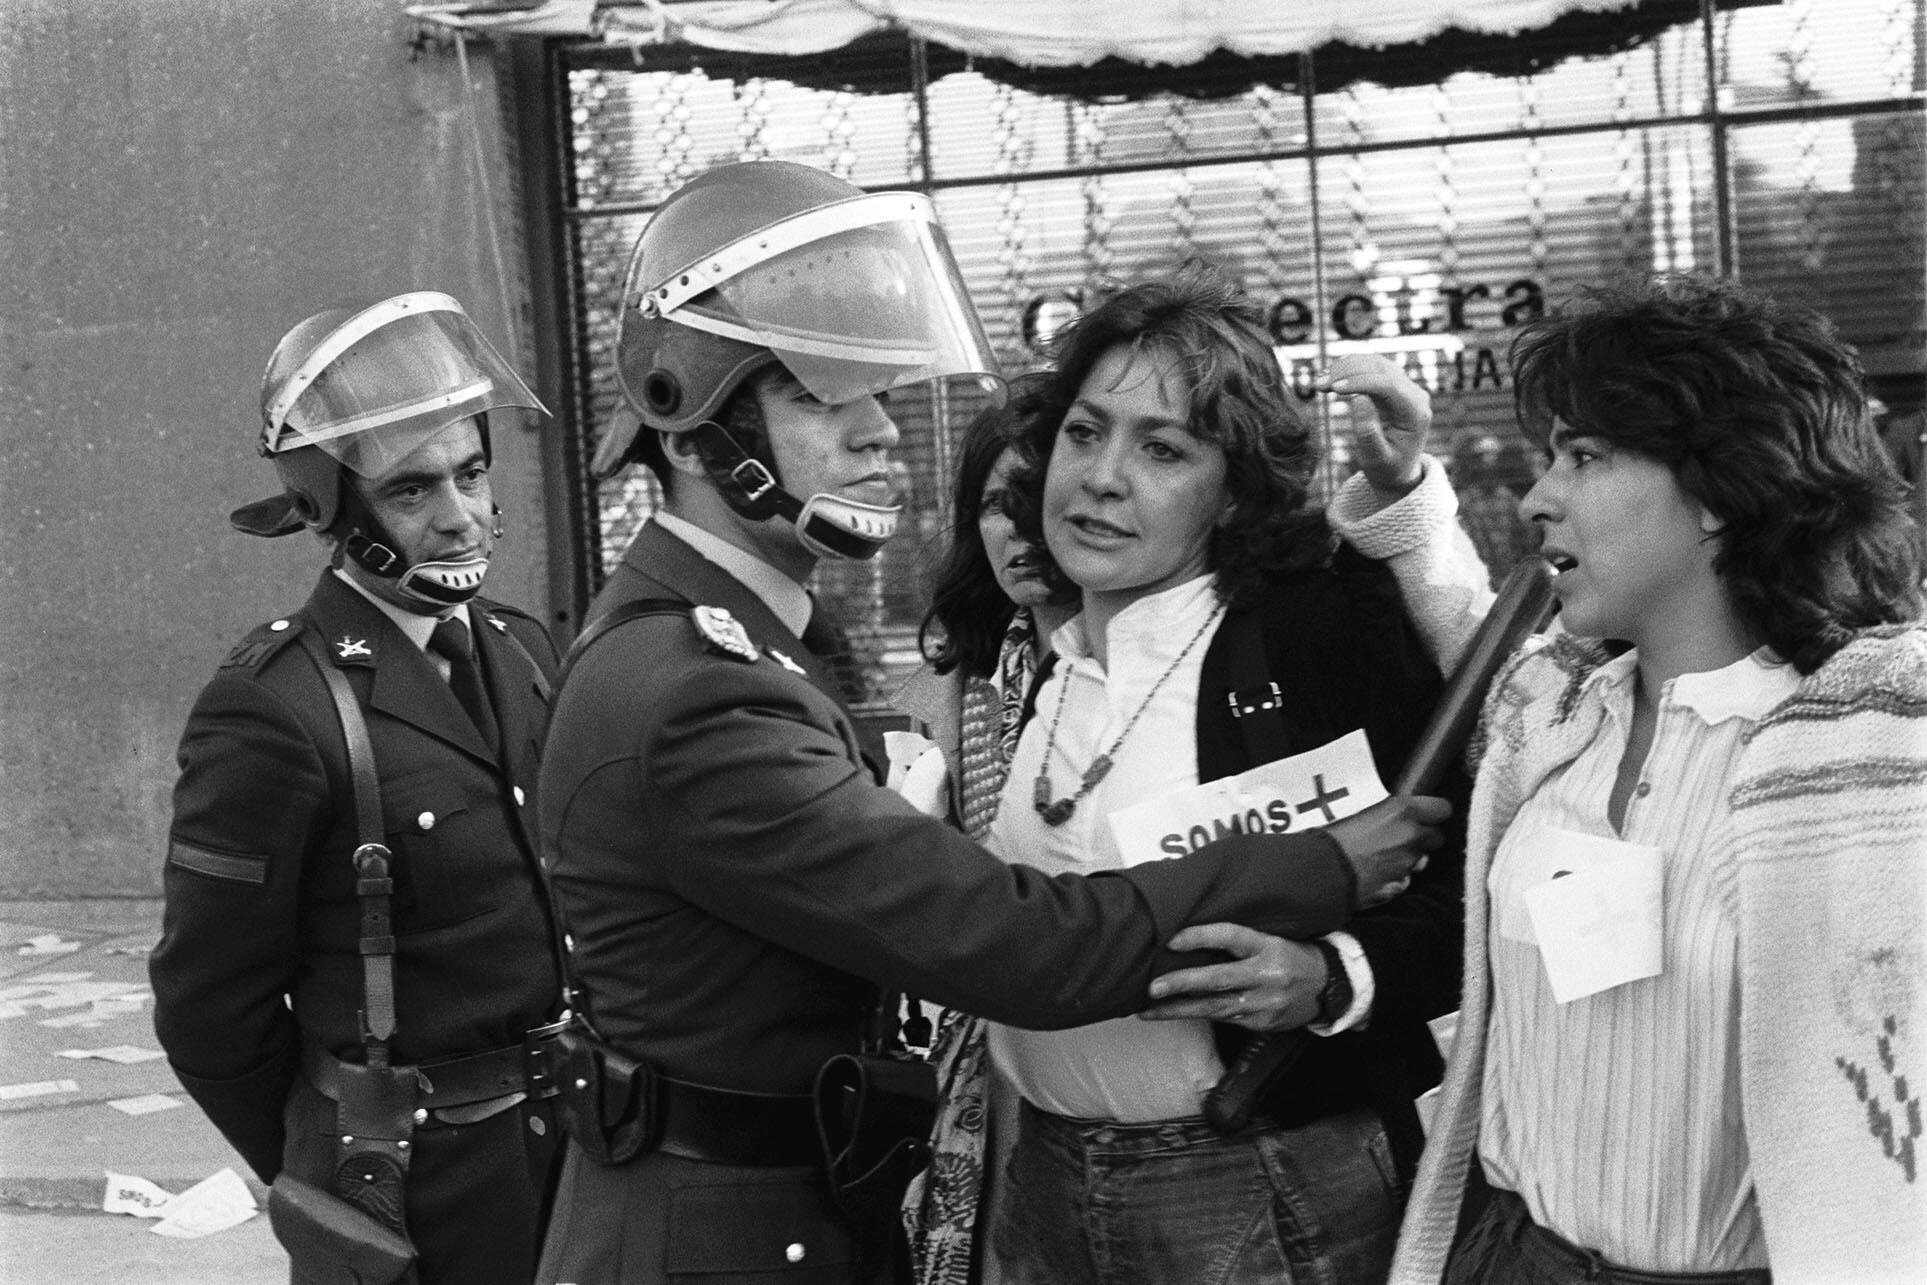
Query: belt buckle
[(537, 1058)]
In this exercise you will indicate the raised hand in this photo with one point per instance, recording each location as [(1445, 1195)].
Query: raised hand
[(1392, 416)]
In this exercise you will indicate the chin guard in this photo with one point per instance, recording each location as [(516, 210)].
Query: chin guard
[(433, 584), (833, 526), (830, 526), (443, 584)]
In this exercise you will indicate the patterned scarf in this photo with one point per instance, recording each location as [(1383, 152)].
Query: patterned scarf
[(940, 1207)]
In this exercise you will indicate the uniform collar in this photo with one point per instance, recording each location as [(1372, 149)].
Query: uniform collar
[(416, 627), (785, 598)]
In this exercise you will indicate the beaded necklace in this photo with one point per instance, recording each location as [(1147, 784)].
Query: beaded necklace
[(1057, 813)]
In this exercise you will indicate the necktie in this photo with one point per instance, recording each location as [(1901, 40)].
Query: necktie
[(451, 640)]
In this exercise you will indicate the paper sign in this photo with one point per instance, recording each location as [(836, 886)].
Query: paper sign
[(1298, 793), (1538, 857), (145, 1104), (917, 770), (210, 1205), (1599, 925), (127, 1194), (125, 1054)]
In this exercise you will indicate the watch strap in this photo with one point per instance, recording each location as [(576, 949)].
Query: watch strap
[(1335, 996)]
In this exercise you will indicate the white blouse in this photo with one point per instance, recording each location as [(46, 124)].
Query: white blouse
[(1616, 1117), (1126, 1069)]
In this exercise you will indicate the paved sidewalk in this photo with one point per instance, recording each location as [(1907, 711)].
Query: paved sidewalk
[(56, 1147)]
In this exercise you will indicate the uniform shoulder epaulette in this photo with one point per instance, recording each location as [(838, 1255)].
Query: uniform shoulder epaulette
[(262, 642), (723, 633)]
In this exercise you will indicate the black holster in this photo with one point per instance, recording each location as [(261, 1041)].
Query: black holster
[(331, 1242), (374, 1138), (606, 1099), (353, 1230), (874, 1113)]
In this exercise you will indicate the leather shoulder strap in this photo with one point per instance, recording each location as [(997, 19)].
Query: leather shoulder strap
[(374, 878), (622, 615)]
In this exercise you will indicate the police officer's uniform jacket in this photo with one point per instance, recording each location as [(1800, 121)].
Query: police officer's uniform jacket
[(259, 951), (737, 887)]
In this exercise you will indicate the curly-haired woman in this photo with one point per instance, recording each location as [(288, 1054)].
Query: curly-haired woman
[(1723, 760), (1222, 627)]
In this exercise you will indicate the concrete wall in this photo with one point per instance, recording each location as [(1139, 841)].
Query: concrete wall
[(181, 181)]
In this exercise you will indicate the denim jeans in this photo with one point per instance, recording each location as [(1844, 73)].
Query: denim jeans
[(1505, 1247), (1176, 1203)]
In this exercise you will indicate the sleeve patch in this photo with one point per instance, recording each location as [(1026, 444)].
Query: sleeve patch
[(218, 865)]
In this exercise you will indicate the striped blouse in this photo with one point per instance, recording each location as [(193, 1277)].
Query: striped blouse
[(1616, 1117)]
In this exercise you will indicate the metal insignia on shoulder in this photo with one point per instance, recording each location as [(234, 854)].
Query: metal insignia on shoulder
[(785, 661), (722, 632), (262, 642)]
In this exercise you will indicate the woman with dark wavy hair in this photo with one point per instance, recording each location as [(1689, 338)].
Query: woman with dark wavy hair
[(1222, 628), (995, 601), (1721, 762)]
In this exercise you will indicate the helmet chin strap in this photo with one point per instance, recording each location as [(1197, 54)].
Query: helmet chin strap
[(829, 525), (437, 585)]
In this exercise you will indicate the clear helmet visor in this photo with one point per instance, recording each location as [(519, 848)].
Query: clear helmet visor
[(853, 298), (387, 380)]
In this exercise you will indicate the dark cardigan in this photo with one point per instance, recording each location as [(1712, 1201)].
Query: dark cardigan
[(1344, 655)]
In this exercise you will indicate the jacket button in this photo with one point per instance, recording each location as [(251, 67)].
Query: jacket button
[(426, 820), (795, 1252), (421, 1115), (519, 796)]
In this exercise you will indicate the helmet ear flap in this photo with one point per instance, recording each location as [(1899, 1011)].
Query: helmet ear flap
[(661, 392), (310, 496)]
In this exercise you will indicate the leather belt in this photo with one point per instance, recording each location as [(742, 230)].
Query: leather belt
[(721, 1126), (460, 1081)]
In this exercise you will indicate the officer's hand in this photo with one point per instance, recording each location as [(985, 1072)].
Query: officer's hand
[(1387, 843), (1271, 984), (1391, 416)]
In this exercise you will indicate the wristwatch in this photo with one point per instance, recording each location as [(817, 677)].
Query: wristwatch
[(1335, 996)]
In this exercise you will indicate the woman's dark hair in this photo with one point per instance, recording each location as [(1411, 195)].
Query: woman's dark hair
[(1760, 411), (969, 611), (1204, 323)]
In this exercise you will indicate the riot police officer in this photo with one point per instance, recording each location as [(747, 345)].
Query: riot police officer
[(739, 886), (366, 1031)]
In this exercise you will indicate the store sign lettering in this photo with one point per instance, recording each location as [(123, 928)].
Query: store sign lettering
[(1435, 335)]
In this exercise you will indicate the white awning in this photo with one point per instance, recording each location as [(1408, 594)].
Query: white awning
[(1031, 33)]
